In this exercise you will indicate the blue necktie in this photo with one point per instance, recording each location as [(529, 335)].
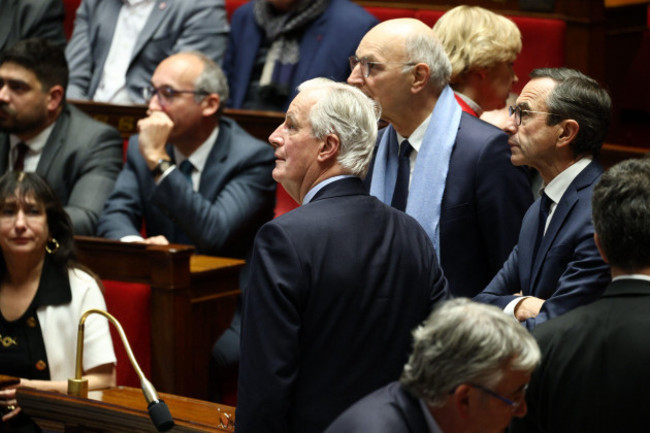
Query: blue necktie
[(401, 191), (544, 208), (186, 168)]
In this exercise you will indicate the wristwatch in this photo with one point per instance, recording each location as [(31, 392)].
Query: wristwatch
[(161, 167)]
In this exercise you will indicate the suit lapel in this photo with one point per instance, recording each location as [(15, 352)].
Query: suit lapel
[(562, 211), (54, 142), (216, 158), (159, 12)]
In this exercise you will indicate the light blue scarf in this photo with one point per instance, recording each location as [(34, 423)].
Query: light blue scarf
[(431, 166)]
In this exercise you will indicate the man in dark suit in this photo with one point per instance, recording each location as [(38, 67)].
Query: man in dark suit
[(26, 19), (457, 181), (594, 373), (337, 284), (192, 176), (314, 39), (562, 118), (79, 157), (468, 373), (102, 69)]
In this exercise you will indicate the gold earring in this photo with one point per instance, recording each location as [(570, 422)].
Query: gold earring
[(52, 246)]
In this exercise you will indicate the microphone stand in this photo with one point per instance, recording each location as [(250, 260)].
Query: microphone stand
[(78, 387)]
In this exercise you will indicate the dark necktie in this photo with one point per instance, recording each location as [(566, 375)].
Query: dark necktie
[(401, 191), (544, 209), (21, 151), (186, 168)]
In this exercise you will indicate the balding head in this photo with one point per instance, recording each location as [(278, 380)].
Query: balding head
[(407, 70)]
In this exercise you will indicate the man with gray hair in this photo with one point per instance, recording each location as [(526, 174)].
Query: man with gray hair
[(337, 284), (447, 169), (468, 373), (192, 176), (561, 120)]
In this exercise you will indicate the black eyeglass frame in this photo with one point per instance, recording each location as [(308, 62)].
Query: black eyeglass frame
[(517, 111)]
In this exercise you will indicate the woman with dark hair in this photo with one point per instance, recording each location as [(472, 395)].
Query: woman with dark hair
[(43, 293)]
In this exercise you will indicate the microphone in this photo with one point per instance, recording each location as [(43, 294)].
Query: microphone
[(78, 387)]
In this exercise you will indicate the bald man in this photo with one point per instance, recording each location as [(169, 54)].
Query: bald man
[(193, 176), (448, 169)]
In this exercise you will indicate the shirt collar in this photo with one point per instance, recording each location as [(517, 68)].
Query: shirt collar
[(417, 137), (35, 144), (199, 157), (632, 277), (560, 183), (323, 183)]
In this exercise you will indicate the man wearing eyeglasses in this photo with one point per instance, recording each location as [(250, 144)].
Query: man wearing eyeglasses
[(561, 120), (594, 373), (468, 372), (448, 169), (192, 176)]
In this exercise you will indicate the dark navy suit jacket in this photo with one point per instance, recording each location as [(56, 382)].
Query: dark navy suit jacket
[(390, 409), (568, 270), (336, 286), (594, 373), (484, 201), (324, 47), (236, 196)]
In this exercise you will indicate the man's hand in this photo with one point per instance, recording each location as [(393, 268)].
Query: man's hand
[(154, 131), (528, 308)]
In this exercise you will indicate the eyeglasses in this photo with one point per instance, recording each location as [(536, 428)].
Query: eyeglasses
[(166, 94), (366, 66), (519, 113), (513, 404)]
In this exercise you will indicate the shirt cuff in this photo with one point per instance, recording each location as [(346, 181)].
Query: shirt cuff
[(131, 238), (510, 308)]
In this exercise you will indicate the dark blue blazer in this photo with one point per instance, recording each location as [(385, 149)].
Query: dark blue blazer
[(594, 372), (236, 196), (568, 270), (390, 409), (484, 201), (324, 47), (335, 288)]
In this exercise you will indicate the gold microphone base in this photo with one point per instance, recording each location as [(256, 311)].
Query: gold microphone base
[(78, 387)]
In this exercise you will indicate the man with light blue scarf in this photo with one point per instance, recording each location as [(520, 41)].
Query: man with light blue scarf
[(457, 179)]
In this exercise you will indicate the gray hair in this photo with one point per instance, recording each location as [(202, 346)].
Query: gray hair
[(211, 80), (347, 112), (578, 97), (427, 49), (465, 342), (621, 214)]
